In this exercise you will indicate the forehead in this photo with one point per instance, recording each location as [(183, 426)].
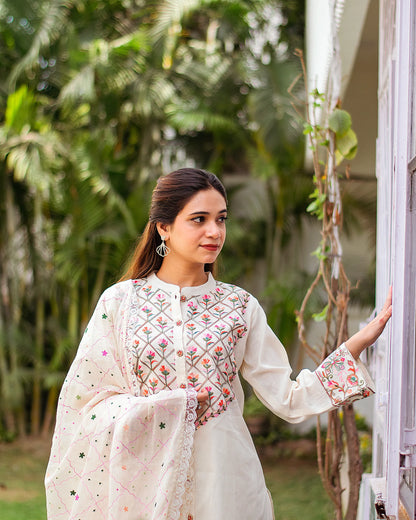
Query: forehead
[(207, 201)]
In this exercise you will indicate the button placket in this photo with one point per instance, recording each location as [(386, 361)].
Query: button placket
[(178, 343)]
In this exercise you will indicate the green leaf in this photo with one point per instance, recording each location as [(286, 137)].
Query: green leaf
[(307, 129), (20, 110), (347, 144), (321, 316), (319, 254), (316, 207), (339, 122)]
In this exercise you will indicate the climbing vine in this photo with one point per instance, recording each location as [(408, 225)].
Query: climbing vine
[(331, 140)]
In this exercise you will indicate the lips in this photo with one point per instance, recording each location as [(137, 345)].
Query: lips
[(210, 247)]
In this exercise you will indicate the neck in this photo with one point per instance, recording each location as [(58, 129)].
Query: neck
[(183, 277)]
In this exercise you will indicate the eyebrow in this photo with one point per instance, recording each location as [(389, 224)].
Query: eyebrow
[(206, 212)]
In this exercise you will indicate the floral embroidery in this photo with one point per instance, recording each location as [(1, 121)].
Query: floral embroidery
[(213, 324), (342, 378)]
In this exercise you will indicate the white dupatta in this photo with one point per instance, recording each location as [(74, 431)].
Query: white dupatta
[(117, 455)]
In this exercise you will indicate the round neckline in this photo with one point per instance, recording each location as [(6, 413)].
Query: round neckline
[(190, 290)]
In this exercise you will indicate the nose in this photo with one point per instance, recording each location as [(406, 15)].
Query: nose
[(213, 230)]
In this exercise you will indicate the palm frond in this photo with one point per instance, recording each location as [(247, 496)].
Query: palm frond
[(53, 16), (186, 119), (169, 13), (80, 88)]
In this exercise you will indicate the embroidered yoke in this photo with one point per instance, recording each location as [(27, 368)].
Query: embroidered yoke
[(130, 442)]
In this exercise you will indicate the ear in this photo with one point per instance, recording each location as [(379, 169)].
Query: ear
[(163, 229)]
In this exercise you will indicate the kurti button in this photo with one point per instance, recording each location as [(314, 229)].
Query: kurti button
[(183, 385), (180, 353), (183, 298), (179, 323)]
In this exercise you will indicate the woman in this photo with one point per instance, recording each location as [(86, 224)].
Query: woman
[(149, 422)]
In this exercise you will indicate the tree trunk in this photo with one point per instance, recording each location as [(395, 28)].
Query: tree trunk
[(355, 467)]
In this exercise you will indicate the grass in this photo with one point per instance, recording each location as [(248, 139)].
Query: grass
[(293, 482), (22, 468), (297, 490)]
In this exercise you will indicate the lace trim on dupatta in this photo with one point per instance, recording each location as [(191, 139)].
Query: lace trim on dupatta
[(131, 322), (184, 468)]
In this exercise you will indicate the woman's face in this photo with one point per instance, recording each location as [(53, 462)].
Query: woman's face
[(198, 232)]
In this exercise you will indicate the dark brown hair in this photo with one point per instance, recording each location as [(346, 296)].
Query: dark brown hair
[(171, 194)]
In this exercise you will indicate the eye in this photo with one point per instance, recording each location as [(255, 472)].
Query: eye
[(198, 220), (223, 219)]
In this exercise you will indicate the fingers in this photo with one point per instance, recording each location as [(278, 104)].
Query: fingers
[(386, 311), (202, 396), (388, 301)]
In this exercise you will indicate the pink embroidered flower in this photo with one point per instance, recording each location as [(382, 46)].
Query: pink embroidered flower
[(165, 371), (193, 378), (191, 328), (104, 352), (147, 330), (162, 323), (221, 329), (153, 383), (352, 380), (206, 363), (225, 392), (191, 353), (150, 356), (218, 352), (206, 299), (234, 319)]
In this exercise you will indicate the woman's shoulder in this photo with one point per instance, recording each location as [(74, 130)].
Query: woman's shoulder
[(231, 290), (118, 290)]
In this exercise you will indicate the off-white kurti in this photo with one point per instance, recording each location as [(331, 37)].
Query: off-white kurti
[(130, 442)]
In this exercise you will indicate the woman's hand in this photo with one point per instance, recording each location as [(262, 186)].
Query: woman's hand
[(368, 335), (202, 397)]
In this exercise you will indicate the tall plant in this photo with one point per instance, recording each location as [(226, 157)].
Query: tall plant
[(331, 140)]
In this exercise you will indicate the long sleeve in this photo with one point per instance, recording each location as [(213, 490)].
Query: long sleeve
[(115, 453), (265, 365)]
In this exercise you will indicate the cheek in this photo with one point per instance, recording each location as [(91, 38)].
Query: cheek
[(223, 234)]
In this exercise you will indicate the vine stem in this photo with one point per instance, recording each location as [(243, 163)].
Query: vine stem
[(300, 316)]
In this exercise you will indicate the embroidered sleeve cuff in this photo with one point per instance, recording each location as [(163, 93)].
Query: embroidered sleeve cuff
[(344, 379)]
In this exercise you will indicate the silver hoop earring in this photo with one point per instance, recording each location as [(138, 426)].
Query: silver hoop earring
[(162, 249)]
